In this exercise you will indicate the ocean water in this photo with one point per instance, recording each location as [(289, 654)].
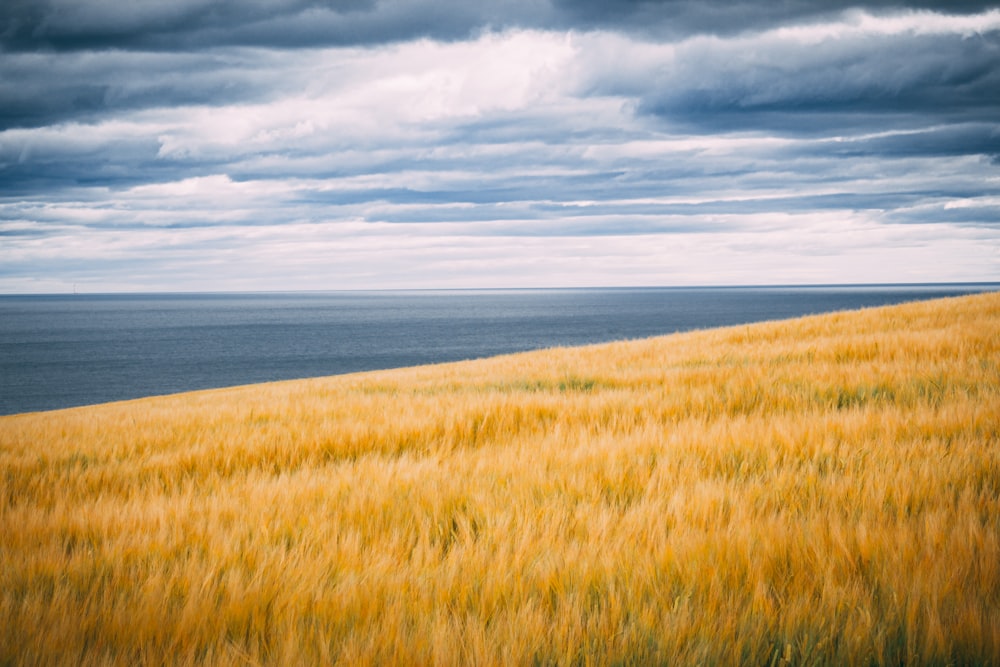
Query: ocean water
[(68, 350)]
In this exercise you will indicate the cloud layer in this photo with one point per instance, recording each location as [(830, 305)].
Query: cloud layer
[(265, 145)]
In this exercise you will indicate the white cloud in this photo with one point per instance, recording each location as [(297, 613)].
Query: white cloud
[(858, 23), (381, 96)]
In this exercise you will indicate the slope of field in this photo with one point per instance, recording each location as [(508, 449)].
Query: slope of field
[(817, 491)]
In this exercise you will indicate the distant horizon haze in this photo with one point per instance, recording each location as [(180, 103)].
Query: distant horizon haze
[(538, 288)]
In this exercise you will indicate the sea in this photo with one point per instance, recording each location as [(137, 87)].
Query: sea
[(60, 351)]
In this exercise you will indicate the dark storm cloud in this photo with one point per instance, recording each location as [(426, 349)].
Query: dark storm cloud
[(836, 86), (682, 18), (153, 24), (38, 89), (767, 83)]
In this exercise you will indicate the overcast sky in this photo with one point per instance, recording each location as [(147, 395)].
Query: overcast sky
[(272, 145)]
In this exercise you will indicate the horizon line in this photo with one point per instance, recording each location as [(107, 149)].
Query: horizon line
[(76, 293)]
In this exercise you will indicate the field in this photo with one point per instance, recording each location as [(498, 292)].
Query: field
[(823, 490)]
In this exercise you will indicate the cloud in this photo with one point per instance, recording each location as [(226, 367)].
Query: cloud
[(675, 19), (204, 24), (198, 24), (172, 146), (799, 248), (836, 77), (44, 88)]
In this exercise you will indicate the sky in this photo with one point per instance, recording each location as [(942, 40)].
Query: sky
[(215, 145)]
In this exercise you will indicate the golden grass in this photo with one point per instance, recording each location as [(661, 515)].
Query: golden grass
[(816, 491)]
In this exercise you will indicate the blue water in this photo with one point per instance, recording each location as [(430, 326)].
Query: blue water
[(64, 351)]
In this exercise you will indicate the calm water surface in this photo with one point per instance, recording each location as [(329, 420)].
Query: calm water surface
[(64, 351)]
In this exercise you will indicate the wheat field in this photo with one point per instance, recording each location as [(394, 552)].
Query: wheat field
[(824, 490)]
